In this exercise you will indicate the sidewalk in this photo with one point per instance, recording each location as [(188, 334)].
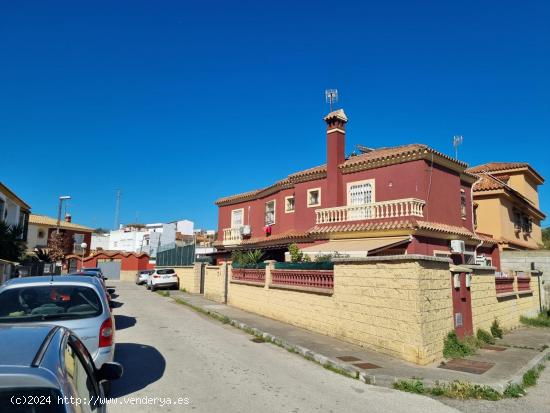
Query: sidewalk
[(525, 348)]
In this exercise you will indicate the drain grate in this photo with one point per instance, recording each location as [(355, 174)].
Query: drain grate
[(348, 358), (467, 366), (257, 340), (366, 366)]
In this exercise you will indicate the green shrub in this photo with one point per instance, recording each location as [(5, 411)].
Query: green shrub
[(247, 259), (514, 391), (296, 255), (465, 390), (530, 377), (411, 386), (485, 336), (455, 348), (542, 320), (496, 330)]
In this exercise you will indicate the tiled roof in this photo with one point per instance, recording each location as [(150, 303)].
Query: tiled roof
[(497, 166), (113, 253), (374, 158), (52, 222), (489, 183), (398, 153), (283, 237)]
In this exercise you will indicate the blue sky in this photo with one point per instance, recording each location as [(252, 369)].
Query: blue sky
[(179, 103)]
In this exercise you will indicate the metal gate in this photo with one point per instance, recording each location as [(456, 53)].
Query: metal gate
[(111, 269)]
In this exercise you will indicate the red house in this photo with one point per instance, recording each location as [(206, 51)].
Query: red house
[(408, 199)]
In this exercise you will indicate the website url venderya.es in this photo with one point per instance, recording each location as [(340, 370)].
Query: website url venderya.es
[(84, 401)]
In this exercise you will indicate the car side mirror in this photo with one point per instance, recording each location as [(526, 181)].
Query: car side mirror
[(109, 371)]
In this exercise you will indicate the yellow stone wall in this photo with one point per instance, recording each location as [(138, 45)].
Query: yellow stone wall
[(398, 307), (128, 275), (486, 306), (187, 277), (214, 282)]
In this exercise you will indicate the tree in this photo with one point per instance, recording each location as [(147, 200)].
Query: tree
[(546, 237), (57, 245), (12, 246)]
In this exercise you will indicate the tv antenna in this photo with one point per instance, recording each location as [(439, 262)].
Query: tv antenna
[(331, 96), (457, 141), (117, 209)]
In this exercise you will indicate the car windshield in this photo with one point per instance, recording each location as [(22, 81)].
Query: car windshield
[(148, 272), (168, 271), (45, 400), (50, 302)]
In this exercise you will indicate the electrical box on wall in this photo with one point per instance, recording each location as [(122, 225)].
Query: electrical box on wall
[(456, 280), (457, 246)]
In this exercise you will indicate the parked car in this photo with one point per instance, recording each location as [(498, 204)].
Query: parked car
[(43, 366), (75, 302), (95, 275), (163, 278), (96, 270), (142, 276)]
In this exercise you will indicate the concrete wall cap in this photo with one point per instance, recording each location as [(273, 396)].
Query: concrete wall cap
[(409, 257), (460, 268)]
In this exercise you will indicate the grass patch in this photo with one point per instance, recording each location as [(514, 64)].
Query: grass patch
[(453, 347), (338, 370), (485, 337), (163, 293), (496, 330), (542, 320), (410, 386), (514, 391)]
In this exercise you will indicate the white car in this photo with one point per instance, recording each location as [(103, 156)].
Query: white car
[(78, 303), (162, 278), (142, 276)]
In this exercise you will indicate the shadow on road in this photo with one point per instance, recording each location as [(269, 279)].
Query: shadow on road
[(124, 321), (143, 365), (116, 304)]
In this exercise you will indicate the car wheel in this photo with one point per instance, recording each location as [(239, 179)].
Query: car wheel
[(176, 286), (153, 287), (147, 286)]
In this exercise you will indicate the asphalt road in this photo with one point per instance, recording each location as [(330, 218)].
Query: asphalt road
[(169, 351)]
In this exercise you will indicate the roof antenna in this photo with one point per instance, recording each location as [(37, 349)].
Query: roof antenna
[(331, 96), (457, 140)]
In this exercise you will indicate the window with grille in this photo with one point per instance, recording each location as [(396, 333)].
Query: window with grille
[(463, 212), (360, 193), (289, 204), (237, 218), (270, 212)]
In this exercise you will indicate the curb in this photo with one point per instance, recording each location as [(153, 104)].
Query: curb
[(349, 370)]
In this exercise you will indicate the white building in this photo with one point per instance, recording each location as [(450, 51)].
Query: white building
[(100, 241), (13, 210)]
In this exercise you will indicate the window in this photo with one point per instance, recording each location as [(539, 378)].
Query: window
[(78, 238), (41, 233), (289, 204), (270, 212), (463, 211), (526, 224), (80, 378), (361, 193), (314, 197), (237, 216), (517, 220)]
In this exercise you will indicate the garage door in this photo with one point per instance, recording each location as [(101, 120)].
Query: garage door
[(110, 269)]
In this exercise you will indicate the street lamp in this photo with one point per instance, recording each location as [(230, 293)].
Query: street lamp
[(61, 199), (83, 246)]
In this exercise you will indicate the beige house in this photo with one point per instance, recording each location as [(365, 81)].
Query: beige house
[(506, 204)]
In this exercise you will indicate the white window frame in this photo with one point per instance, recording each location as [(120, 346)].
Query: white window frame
[(463, 214), (274, 212), (309, 205), (233, 218), (372, 183), (289, 211)]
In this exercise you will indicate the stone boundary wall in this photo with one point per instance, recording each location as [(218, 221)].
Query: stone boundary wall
[(214, 282), (521, 261), (486, 306), (189, 279), (128, 275), (397, 305)]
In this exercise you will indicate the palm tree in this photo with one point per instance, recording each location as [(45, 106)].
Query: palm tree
[(12, 246)]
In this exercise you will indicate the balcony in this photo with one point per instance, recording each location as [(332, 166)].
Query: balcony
[(397, 208), (232, 236)]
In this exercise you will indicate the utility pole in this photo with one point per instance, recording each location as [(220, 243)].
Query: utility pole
[(60, 206), (117, 209)]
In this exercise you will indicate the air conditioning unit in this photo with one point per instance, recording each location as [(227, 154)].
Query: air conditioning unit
[(245, 230), (457, 246)]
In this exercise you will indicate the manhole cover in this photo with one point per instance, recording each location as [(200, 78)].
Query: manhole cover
[(493, 348), (467, 366), (366, 366), (258, 340), (348, 358)]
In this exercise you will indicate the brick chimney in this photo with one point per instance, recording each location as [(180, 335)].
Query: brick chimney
[(336, 147), (68, 218)]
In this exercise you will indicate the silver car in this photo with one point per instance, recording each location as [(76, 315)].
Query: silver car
[(75, 302), (47, 369), (143, 276)]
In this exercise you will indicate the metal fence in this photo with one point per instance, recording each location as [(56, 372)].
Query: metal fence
[(174, 255)]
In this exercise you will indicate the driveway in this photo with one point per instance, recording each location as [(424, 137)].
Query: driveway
[(169, 351)]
